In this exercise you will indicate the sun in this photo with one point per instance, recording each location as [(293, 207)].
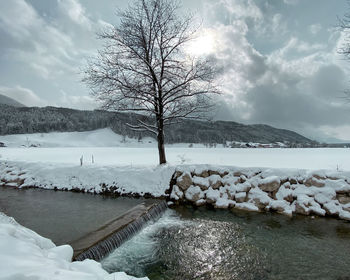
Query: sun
[(202, 44)]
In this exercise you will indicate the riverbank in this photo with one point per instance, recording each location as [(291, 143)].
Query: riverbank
[(286, 191), (25, 254)]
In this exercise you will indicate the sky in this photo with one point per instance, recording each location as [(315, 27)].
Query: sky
[(278, 59)]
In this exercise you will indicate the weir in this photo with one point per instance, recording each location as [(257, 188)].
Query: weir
[(101, 242)]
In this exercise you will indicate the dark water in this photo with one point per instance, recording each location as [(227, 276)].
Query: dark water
[(205, 244), (62, 216)]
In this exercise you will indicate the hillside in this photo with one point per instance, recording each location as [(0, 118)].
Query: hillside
[(9, 101), (15, 120)]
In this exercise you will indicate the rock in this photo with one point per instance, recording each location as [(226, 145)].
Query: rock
[(194, 193), (200, 182), (332, 178), (346, 207), (215, 181), (244, 187), (284, 180), (231, 192), (344, 215), (343, 198), (247, 206), (212, 195), (200, 202), (224, 174), (214, 172), (321, 198), (223, 203), (240, 197), (319, 177), (242, 179), (332, 208), (314, 182), (203, 174), (300, 208), (279, 205), (176, 193), (177, 174), (293, 181), (216, 185), (270, 184), (184, 181), (261, 204)]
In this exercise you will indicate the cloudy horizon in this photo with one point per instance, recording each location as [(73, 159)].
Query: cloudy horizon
[(279, 59)]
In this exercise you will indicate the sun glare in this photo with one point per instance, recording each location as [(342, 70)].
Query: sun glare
[(203, 44)]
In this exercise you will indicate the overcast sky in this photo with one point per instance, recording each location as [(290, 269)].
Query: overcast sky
[(279, 57)]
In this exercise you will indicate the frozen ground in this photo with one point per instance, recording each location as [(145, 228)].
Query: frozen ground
[(97, 138), (331, 159), (26, 255), (105, 148)]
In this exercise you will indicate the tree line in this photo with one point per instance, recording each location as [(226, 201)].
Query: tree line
[(49, 119)]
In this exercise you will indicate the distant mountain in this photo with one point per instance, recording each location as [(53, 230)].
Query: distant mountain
[(9, 101), (14, 120)]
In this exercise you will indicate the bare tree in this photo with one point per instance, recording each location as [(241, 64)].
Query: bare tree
[(143, 68), (344, 49)]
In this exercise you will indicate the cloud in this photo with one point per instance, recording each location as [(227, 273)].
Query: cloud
[(315, 28), (296, 86), (35, 42), (75, 11), (291, 2), (77, 101), (23, 95)]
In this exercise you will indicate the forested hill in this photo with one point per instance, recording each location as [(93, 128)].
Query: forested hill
[(14, 120)]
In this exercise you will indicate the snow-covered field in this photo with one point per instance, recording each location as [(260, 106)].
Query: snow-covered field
[(105, 148), (331, 158), (26, 255), (96, 138)]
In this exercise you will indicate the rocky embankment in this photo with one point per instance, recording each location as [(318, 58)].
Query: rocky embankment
[(284, 191)]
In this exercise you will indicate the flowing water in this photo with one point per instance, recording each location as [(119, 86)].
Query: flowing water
[(205, 244), (101, 249), (63, 216)]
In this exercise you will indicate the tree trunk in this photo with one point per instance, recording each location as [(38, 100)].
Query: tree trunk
[(160, 138)]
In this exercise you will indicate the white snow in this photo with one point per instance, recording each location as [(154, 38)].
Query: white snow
[(108, 148), (314, 194), (26, 255), (104, 137), (135, 180), (312, 159)]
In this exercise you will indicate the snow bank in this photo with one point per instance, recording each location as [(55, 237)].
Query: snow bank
[(137, 181), (285, 191), (26, 255)]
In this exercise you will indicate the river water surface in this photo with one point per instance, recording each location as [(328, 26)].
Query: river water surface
[(207, 244), (63, 216)]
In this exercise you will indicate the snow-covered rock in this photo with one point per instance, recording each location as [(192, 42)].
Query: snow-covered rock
[(284, 191)]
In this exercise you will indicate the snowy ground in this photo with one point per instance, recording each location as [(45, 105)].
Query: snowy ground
[(105, 148), (26, 255), (331, 159)]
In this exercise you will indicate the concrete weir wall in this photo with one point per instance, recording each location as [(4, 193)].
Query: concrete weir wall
[(285, 191), (99, 243)]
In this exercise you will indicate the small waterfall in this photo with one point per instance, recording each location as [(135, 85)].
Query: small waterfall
[(103, 248)]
